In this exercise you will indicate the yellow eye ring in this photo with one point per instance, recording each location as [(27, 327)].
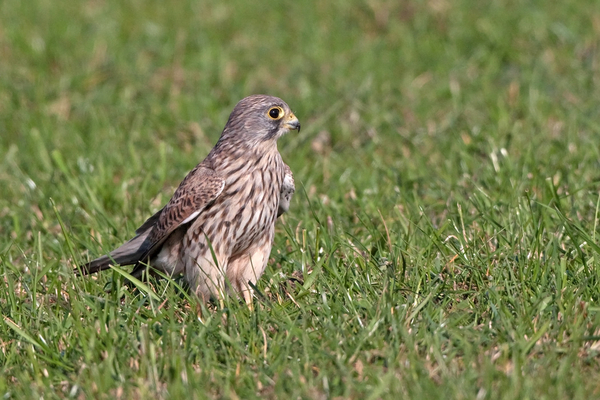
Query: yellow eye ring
[(275, 113)]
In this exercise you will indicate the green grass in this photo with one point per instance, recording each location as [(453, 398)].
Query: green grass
[(442, 242)]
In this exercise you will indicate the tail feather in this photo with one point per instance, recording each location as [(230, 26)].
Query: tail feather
[(128, 253)]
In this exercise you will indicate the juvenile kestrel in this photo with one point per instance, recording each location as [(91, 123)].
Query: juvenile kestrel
[(228, 203)]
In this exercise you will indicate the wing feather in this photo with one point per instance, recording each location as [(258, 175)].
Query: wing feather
[(197, 191), (287, 191)]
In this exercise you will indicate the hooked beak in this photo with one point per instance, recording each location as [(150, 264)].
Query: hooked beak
[(292, 122)]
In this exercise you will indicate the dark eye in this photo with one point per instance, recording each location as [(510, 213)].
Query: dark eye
[(275, 112)]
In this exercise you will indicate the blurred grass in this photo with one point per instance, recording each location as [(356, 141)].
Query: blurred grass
[(442, 241)]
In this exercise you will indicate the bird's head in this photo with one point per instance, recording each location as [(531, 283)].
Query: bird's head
[(260, 118)]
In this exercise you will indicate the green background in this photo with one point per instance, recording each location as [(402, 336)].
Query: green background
[(441, 242)]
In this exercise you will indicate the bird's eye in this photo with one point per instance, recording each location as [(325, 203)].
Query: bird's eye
[(275, 113)]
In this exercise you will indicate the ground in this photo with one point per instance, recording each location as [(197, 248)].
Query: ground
[(441, 242)]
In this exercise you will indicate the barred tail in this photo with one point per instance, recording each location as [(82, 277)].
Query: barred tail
[(130, 252)]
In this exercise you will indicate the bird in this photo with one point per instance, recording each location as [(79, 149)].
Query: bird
[(218, 227)]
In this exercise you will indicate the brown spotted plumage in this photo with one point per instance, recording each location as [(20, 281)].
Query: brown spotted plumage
[(287, 191), (218, 227)]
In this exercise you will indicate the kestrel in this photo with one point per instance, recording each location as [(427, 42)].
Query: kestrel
[(218, 228)]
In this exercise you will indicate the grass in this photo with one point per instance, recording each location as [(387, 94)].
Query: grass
[(442, 242)]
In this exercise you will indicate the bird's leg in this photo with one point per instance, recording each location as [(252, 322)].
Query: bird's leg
[(207, 280), (243, 272)]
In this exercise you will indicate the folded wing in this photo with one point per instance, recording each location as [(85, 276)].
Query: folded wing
[(197, 191)]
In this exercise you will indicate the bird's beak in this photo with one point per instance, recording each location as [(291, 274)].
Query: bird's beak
[(292, 122)]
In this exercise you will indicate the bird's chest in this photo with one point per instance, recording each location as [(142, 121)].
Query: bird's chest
[(248, 205)]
